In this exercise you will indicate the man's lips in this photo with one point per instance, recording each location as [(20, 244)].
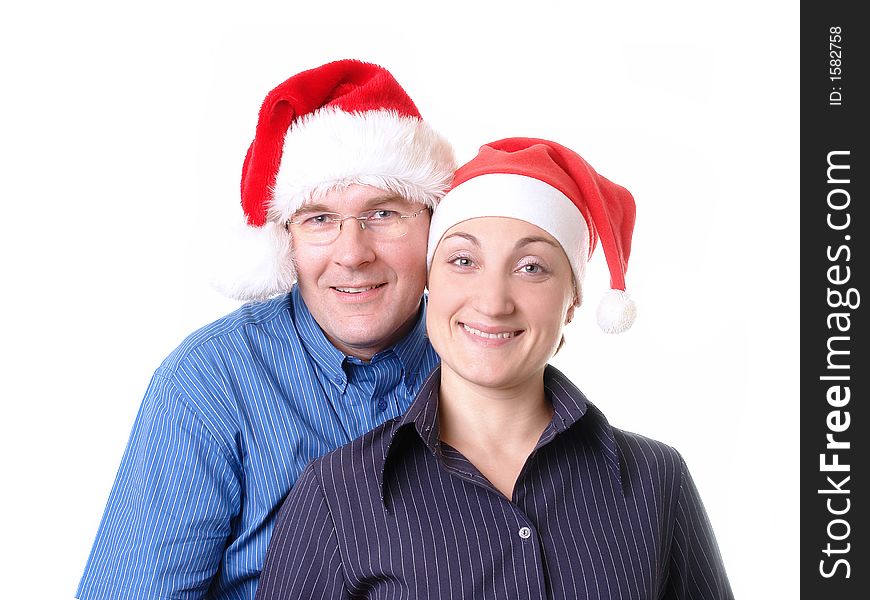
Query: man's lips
[(346, 289), (490, 333), (358, 294)]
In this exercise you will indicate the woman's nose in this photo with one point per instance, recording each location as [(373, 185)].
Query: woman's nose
[(494, 295)]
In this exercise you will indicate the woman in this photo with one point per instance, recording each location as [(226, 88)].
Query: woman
[(502, 480)]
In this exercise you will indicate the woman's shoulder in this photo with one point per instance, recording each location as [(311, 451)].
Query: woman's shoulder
[(640, 453)]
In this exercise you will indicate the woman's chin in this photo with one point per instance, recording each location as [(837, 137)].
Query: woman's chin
[(490, 376)]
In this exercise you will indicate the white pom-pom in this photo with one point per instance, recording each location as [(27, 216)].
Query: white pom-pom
[(616, 312), (253, 263)]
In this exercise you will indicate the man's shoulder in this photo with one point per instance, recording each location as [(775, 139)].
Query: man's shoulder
[(359, 460), (234, 333)]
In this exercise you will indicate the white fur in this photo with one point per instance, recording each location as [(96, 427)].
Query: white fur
[(616, 312), (331, 149), (255, 263)]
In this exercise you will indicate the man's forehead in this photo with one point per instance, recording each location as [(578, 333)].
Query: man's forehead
[(338, 202)]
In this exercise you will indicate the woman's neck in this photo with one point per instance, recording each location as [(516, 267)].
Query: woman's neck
[(496, 429)]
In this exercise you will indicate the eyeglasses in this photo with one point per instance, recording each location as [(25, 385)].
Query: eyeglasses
[(323, 228)]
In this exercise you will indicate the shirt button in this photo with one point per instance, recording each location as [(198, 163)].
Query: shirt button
[(525, 533), (382, 405)]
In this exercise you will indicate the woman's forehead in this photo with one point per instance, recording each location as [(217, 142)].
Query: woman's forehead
[(499, 231)]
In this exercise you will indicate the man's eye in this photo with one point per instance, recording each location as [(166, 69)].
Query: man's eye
[(382, 215), (315, 220)]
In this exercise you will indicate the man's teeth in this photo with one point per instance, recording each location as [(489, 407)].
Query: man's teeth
[(356, 290), (492, 336)]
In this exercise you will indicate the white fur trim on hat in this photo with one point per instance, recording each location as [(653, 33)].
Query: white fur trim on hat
[(331, 148), (518, 197)]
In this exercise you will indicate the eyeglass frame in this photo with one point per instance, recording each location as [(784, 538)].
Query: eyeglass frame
[(361, 219)]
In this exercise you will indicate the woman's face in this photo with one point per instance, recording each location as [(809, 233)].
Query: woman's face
[(500, 291)]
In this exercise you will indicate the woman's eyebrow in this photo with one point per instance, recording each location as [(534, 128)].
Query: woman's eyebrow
[(463, 235), (520, 243), (535, 238)]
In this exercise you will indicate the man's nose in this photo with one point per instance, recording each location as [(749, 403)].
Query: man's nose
[(353, 247)]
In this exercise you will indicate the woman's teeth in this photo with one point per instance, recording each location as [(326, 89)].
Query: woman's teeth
[(491, 336)]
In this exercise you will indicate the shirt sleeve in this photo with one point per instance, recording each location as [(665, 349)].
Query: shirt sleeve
[(169, 513), (303, 560), (696, 568)]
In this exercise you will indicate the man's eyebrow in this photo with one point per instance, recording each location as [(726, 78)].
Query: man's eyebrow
[(318, 207), (386, 198), (312, 208)]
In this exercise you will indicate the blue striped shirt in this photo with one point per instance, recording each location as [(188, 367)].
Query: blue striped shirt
[(596, 513), (228, 422)]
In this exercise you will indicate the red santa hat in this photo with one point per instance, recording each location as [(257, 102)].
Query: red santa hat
[(343, 123), (551, 186)]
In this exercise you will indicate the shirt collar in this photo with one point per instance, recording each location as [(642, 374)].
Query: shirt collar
[(410, 350), (423, 412), (569, 407), (325, 355)]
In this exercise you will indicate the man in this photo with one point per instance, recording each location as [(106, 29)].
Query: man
[(337, 188)]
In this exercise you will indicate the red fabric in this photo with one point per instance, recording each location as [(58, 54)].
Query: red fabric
[(608, 208), (348, 85)]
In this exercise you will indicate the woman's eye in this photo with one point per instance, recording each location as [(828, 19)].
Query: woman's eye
[(532, 268), (462, 261)]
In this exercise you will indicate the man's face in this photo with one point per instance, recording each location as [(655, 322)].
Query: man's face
[(363, 290)]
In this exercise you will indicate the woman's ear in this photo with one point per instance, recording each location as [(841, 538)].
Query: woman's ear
[(578, 300)]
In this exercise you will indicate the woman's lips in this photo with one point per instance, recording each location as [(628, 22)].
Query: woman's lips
[(485, 333)]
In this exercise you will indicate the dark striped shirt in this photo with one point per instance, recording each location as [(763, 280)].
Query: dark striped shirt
[(229, 421), (596, 513)]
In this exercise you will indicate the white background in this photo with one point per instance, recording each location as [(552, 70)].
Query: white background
[(123, 134)]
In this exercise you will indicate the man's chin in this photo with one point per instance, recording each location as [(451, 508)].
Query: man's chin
[(362, 341)]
